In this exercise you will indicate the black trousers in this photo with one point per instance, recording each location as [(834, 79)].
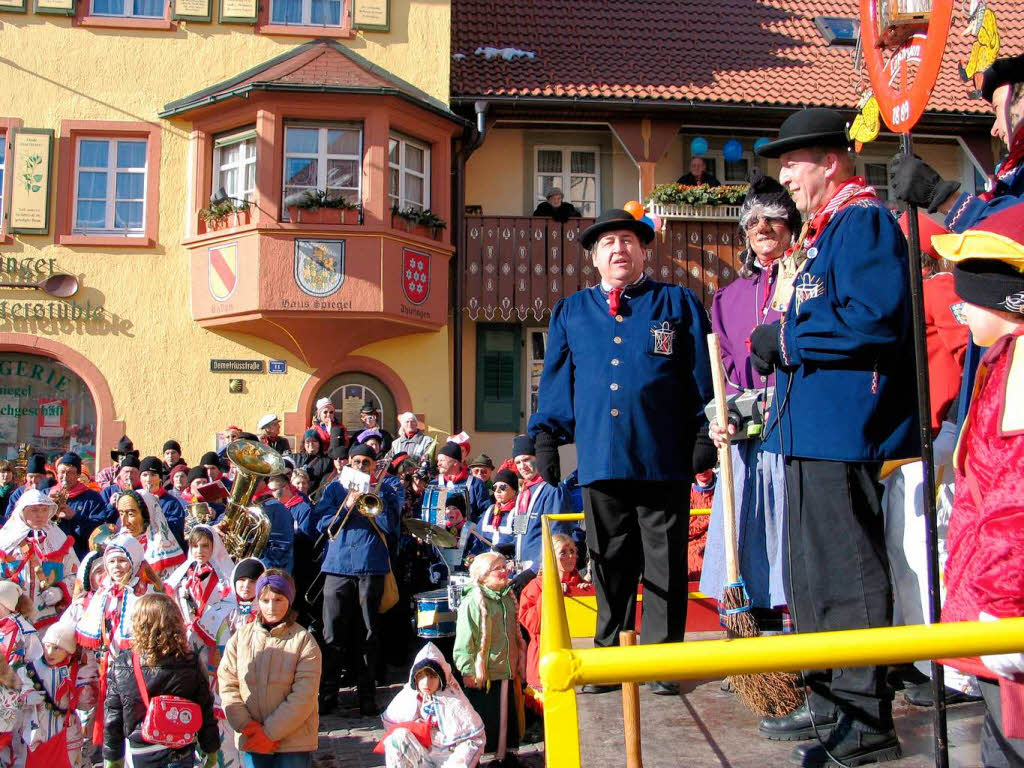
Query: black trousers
[(636, 528), (997, 749), (351, 629), (839, 573)]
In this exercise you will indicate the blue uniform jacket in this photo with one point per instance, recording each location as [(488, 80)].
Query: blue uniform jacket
[(280, 549), (968, 210), (846, 390), (358, 550), (304, 520), (545, 499), (174, 512), (90, 512), (628, 390)]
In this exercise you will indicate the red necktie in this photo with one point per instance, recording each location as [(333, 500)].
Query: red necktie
[(614, 295)]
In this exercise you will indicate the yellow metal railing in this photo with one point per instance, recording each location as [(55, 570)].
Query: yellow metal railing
[(562, 668)]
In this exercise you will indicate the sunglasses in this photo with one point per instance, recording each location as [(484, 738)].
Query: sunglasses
[(362, 462), (773, 221), (502, 486)]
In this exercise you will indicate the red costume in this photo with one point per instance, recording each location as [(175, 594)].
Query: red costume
[(946, 336), (529, 617)]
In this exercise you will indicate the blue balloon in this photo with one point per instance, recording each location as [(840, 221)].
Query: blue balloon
[(761, 142), (648, 221), (699, 146), (732, 150)]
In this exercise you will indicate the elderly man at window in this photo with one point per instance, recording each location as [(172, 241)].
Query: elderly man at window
[(555, 207), (698, 174)]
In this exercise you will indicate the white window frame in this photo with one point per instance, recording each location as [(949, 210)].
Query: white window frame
[(125, 12), (110, 200), (565, 185), (230, 140), (307, 15), (321, 156), (403, 143), (719, 159), (861, 165), (531, 385)]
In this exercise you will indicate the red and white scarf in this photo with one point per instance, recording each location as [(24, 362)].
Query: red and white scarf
[(855, 188)]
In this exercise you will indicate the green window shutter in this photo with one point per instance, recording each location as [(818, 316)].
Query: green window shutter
[(498, 394)]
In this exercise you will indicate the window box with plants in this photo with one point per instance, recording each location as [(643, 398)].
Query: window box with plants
[(224, 214), (416, 222), (678, 201), (320, 207)]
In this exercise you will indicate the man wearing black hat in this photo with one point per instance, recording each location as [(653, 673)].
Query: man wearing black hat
[(453, 475), (84, 508), (370, 418), (845, 403), (536, 498), (172, 456), (126, 479), (211, 462), (355, 567), (914, 181), (151, 476), (626, 377), (496, 523), (124, 448)]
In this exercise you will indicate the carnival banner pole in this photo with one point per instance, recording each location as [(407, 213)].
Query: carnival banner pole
[(920, 40)]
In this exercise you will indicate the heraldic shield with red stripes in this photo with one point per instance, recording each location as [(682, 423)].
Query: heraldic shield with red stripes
[(415, 275)]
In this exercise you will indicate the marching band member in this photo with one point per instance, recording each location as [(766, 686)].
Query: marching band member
[(626, 377), (124, 448), (536, 498), (496, 523), (844, 358), (126, 479), (452, 474), (38, 556), (35, 473), (79, 508)]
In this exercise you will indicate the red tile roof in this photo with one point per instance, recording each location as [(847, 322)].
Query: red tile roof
[(767, 52)]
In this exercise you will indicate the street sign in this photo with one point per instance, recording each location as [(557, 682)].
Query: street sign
[(279, 366), (236, 366)]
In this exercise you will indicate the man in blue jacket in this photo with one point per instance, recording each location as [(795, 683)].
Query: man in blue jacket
[(845, 403), (626, 378), (536, 498), (355, 568), (84, 509)]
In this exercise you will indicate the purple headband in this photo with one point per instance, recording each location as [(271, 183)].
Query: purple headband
[(278, 583)]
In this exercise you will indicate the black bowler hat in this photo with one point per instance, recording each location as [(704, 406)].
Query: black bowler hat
[(124, 447), (814, 127), (612, 220), (1006, 70), (522, 445)]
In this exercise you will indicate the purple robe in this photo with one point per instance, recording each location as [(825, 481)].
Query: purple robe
[(735, 311)]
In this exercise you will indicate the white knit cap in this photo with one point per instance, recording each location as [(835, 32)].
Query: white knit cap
[(61, 634), (9, 594), (322, 402), (266, 420), (406, 416)]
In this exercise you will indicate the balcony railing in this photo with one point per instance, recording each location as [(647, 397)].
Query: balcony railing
[(518, 267)]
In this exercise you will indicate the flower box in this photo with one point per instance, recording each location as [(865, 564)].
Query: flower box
[(323, 215), (703, 212), (415, 228)]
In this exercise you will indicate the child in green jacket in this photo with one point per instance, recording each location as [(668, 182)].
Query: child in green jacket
[(488, 653)]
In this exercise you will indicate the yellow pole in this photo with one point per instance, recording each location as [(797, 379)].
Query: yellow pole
[(561, 719), (821, 650)]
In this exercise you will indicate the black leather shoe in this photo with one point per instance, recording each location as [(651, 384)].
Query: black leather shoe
[(850, 745), (368, 707), (328, 703), (921, 696), (593, 688), (664, 687), (796, 726)]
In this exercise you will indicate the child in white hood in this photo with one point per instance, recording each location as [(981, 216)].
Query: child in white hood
[(430, 723)]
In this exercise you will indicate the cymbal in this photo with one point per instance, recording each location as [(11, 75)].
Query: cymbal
[(429, 533)]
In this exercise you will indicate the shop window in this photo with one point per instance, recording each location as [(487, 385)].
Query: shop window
[(350, 391), (234, 165), (574, 170), (408, 173), (498, 354), (108, 188), (130, 9), (44, 408), (306, 13), (327, 158)]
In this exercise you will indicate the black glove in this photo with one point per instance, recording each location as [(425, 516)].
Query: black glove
[(764, 348), (913, 181), (547, 458), (705, 454)]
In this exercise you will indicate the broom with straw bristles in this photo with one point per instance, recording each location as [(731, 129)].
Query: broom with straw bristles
[(774, 693)]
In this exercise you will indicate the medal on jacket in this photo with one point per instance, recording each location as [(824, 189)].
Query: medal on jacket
[(663, 338)]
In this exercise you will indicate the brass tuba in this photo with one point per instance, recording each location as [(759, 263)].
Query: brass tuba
[(245, 528)]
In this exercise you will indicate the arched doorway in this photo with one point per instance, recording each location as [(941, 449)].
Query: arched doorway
[(349, 391)]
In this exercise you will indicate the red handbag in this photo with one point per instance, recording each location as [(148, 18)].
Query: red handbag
[(171, 721)]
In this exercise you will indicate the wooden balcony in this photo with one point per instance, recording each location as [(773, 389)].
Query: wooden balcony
[(518, 267)]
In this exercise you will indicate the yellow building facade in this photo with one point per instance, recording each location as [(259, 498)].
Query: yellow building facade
[(174, 314)]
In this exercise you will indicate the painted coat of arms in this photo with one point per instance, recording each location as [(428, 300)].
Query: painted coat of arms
[(415, 275)]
